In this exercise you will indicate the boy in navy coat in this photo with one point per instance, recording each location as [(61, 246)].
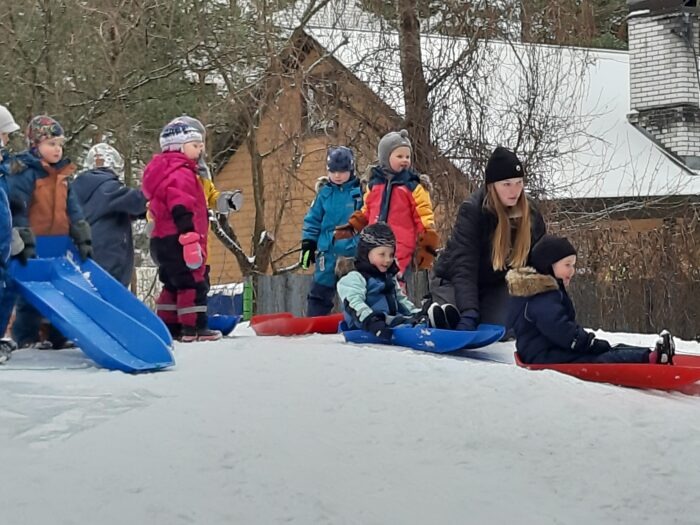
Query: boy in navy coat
[(544, 319)]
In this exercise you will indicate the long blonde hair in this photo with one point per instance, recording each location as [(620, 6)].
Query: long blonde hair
[(503, 254)]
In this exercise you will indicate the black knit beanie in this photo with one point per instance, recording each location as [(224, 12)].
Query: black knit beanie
[(373, 236), (503, 164), (548, 250)]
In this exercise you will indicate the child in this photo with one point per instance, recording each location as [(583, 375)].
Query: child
[(338, 195), (544, 320), (372, 298), (179, 237), (110, 207), (396, 195), (43, 204), (7, 126)]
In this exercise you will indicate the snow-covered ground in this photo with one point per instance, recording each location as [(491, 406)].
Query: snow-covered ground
[(311, 430)]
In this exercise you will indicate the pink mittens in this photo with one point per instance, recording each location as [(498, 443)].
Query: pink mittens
[(191, 251)]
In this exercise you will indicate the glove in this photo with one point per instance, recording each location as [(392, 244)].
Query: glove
[(80, 233), (308, 253), (26, 241), (355, 224), (600, 346), (229, 201), (428, 243), (376, 325), (191, 250), (468, 321), (582, 340)]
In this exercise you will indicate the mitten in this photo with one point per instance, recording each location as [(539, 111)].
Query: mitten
[(376, 325), (308, 253), (356, 223), (468, 321), (229, 201), (426, 251), (26, 244), (600, 346), (80, 233), (191, 250)]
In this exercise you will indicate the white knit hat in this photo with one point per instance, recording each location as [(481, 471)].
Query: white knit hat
[(7, 121), (177, 133)]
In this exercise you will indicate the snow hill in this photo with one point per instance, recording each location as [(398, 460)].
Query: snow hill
[(310, 430)]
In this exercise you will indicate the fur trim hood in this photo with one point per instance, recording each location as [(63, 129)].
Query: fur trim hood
[(343, 266), (526, 282), (320, 183)]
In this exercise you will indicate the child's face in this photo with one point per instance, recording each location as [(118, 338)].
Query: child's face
[(509, 191), (193, 150), (400, 159), (51, 150), (565, 269), (381, 257), (339, 177), (4, 138)]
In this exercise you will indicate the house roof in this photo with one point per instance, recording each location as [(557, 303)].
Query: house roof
[(584, 144)]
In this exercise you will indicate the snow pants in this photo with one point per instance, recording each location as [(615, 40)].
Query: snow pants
[(183, 299), (618, 354)]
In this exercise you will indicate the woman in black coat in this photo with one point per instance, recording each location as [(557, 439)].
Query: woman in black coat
[(494, 232)]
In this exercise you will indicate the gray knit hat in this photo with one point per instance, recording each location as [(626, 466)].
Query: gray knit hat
[(389, 143), (7, 121)]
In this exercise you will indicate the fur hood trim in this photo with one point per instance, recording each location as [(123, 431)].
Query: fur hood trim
[(343, 266), (526, 282), (321, 182)]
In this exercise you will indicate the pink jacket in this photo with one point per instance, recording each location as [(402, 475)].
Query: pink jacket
[(171, 179)]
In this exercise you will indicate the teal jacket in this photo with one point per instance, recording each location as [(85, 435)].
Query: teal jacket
[(364, 292)]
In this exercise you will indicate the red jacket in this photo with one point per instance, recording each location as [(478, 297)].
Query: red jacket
[(400, 200)]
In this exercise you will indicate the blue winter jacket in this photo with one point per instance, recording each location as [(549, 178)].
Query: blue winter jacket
[(543, 319), (21, 181), (332, 207), (109, 207), (5, 213), (365, 291)]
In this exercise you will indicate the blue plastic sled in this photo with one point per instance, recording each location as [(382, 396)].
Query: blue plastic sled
[(91, 308), (431, 339), (223, 323), (221, 313)]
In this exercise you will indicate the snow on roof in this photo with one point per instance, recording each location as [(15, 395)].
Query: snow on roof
[(584, 146)]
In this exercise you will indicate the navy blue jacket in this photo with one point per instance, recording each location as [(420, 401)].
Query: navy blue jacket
[(109, 207), (24, 172), (543, 319)]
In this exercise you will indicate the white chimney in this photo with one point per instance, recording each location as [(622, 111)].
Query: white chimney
[(664, 76)]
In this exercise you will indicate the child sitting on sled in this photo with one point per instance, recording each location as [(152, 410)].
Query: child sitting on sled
[(544, 319), (371, 296)]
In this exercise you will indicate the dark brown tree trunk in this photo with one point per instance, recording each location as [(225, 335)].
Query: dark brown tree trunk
[(418, 119)]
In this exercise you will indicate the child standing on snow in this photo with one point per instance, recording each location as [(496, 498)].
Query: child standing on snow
[(396, 195), (372, 298), (544, 320), (179, 238), (110, 207), (338, 195), (7, 126), (43, 204)]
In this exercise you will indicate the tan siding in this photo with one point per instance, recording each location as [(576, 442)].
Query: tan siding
[(359, 126)]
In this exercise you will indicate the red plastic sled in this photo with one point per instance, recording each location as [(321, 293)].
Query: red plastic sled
[(684, 372), (286, 324)]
